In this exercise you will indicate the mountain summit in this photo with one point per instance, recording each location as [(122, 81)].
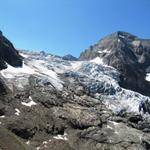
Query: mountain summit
[(128, 54)]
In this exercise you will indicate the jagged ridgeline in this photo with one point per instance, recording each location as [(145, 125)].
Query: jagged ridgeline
[(62, 103)]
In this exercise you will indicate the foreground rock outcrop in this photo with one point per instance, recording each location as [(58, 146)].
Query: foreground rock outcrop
[(47, 119)]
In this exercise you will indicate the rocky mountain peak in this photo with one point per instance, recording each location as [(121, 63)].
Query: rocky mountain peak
[(69, 57), (128, 54), (122, 34)]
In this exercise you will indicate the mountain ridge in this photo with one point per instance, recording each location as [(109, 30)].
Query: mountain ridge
[(127, 53)]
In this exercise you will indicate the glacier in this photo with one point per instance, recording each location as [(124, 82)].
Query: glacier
[(101, 80)]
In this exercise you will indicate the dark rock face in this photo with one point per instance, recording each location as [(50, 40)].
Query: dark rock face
[(69, 57), (127, 53), (8, 54)]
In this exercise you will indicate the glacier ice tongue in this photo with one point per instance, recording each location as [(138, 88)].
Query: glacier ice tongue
[(101, 81)]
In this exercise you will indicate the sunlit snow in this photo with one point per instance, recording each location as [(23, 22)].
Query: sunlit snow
[(28, 142), (3, 116), (61, 137), (24, 55), (104, 51), (148, 77), (97, 60), (136, 43), (49, 67), (17, 111), (11, 72), (29, 104)]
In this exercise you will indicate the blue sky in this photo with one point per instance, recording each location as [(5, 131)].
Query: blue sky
[(70, 26)]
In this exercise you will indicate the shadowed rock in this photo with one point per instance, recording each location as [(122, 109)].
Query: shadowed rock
[(8, 54)]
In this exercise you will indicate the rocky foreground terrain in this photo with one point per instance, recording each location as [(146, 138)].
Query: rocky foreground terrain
[(52, 103)]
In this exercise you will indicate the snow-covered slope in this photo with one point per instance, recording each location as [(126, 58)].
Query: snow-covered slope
[(33, 65), (99, 79)]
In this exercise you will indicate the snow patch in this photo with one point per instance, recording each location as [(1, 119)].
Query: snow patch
[(61, 137), (104, 51), (2, 116), (109, 127), (28, 142), (24, 55), (30, 98), (29, 104), (116, 132), (45, 142), (114, 123), (97, 60), (17, 111), (76, 65), (147, 77), (136, 43)]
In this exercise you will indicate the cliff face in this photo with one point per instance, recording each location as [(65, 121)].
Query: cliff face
[(8, 55), (129, 54)]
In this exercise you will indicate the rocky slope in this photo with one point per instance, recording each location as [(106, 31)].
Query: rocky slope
[(128, 54), (56, 104)]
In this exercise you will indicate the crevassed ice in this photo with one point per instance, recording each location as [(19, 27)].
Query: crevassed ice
[(49, 67), (36, 67)]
